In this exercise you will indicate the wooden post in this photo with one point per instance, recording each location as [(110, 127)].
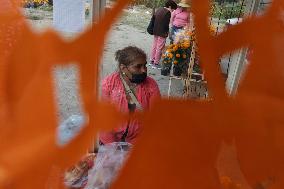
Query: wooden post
[(190, 70)]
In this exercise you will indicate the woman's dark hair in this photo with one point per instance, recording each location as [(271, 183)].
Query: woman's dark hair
[(127, 55), (171, 4)]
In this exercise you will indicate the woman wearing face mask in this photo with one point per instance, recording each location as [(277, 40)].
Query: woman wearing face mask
[(130, 89)]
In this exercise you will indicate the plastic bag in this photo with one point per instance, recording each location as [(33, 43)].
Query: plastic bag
[(77, 175), (69, 129), (109, 161)]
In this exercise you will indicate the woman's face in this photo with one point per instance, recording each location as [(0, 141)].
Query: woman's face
[(138, 66)]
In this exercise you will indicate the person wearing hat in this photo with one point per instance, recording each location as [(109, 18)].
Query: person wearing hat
[(180, 18)]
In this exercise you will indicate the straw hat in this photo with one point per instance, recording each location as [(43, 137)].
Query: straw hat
[(184, 4)]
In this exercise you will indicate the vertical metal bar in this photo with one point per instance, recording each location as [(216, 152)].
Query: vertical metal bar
[(97, 13), (232, 9), (230, 56), (240, 13), (98, 9), (220, 15), (212, 9)]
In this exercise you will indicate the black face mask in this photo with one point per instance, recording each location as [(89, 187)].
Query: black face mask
[(138, 78)]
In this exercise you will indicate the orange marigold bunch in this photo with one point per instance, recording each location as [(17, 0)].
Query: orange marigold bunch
[(179, 51), (35, 1)]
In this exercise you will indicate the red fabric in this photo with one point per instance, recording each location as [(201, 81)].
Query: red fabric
[(113, 91)]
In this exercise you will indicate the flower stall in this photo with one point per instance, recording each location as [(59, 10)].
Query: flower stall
[(181, 60), (177, 55)]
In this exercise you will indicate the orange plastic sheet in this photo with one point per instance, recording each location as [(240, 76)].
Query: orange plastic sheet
[(181, 149)]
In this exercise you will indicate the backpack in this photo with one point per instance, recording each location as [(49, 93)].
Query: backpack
[(150, 28)]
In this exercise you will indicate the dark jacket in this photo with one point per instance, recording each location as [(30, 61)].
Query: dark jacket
[(162, 21)]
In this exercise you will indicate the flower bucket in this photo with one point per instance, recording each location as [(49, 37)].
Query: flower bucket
[(166, 69), (177, 70)]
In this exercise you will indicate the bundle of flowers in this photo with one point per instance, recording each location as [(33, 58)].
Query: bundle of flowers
[(34, 3), (179, 53), (186, 34), (176, 53)]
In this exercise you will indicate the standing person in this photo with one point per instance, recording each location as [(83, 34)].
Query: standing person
[(161, 31), (129, 89), (180, 19)]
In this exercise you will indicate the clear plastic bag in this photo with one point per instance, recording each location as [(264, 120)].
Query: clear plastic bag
[(109, 161), (69, 129), (77, 175)]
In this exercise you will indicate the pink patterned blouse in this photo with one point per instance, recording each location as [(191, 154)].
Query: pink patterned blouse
[(113, 91), (180, 18)]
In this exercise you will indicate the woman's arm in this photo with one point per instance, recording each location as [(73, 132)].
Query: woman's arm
[(105, 89)]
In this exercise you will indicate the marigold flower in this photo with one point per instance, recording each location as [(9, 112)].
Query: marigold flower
[(186, 45), (184, 56), (175, 62), (175, 48), (170, 55), (177, 55), (212, 29), (189, 33)]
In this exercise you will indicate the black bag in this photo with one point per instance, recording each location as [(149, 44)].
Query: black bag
[(150, 28)]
